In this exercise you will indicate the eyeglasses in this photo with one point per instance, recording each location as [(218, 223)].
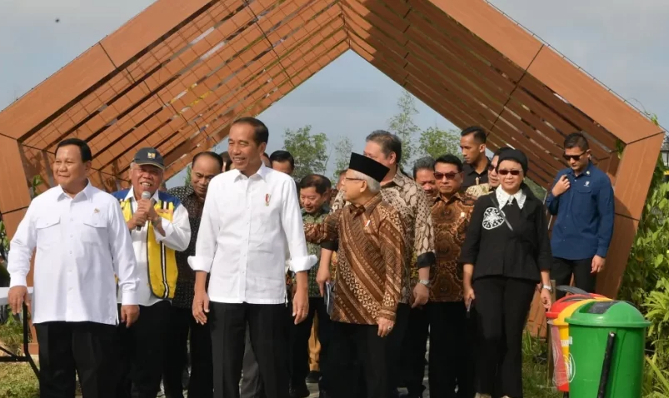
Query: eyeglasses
[(449, 176), (504, 172), (573, 157)]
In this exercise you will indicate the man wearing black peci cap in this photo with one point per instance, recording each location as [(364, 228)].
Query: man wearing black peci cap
[(372, 248), (159, 226)]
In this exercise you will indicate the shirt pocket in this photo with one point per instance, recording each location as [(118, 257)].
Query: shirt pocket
[(94, 230), (582, 204), (47, 230)]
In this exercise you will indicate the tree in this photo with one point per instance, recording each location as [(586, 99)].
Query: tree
[(187, 178), (343, 150), (435, 142), (404, 127), (308, 149)]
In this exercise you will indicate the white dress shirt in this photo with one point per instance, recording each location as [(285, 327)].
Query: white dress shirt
[(247, 224), (503, 198), (177, 237), (81, 243)]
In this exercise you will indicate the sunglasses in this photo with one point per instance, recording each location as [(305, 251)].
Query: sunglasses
[(504, 172), (449, 176), (573, 157), (491, 167)]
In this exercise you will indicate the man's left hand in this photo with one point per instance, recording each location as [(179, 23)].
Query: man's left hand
[(421, 294), (300, 305), (597, 264)]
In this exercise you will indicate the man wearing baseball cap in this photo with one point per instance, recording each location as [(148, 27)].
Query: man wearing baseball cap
[(159, 226)]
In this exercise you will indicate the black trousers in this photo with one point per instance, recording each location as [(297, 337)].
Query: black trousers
[(268, 335), (142, 352), (502, 306), (450, 358), (562, 271), (87, 348), (201, 377), (358, 353), (414, 348), (300, 344)]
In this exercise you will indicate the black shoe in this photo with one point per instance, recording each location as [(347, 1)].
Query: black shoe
[(299, 392), (313, 377)]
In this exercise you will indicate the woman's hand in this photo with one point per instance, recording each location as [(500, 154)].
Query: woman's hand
[(546, 299), (468, 295)]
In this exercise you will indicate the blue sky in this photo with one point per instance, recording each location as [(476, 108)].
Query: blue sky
[(621, 42)]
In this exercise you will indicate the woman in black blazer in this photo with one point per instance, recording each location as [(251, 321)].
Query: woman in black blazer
[(505, 254)]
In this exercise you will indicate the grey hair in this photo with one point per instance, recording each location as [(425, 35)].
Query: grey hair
[(373, 185), (426, 163)]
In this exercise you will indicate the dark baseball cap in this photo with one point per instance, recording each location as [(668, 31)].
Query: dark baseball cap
[(149, 156)]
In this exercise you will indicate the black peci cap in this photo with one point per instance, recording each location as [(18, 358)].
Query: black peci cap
[(368, 166)]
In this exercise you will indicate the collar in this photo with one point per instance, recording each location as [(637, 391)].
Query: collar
[(398, 180), (457, 196), (503, 197), (262, 173), (131, 195), (366, 208), (586, 172), (470, 170), (87, 192)]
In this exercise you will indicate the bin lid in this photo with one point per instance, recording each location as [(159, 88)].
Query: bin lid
[(608, 314), (559, 305), (568, 311)]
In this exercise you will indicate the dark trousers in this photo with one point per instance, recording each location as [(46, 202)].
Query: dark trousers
[(251, 383), (142, 351), (502, 306), (300, 344), (87, 348), (414, 348), (562, 271), (359, 345), (201, 382), (450, 363), (268, 335)]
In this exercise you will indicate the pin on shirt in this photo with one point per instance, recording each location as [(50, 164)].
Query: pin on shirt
[(267, 196)]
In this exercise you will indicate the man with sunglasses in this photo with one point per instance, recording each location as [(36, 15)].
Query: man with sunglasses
[(582, 199)]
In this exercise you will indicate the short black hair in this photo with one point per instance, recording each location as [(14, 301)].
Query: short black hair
[(479, 134), (450, 159), (426, 163), (86, 154), (576, 140), (282, 156), (388, 142), (227, 160), (320, 183), (212, 155), (261, 132), (501, 151)]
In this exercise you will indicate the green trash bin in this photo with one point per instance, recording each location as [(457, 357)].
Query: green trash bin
[(607, 340)]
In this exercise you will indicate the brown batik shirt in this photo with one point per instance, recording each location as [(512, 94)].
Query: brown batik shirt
[(450, 219), (407, 197), (372, 248)]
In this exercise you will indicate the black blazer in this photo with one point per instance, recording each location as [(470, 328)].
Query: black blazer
[(495, 250)]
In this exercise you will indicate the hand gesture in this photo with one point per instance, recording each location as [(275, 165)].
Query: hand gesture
[(561, 186), (385, 326), (200, 307), (129, 314), (17, 296)]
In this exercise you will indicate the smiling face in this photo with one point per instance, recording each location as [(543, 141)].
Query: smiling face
[(243, 149), (145, 178), (425, 178), (204, 169), (510, 175), (311, 200), (69, 170)]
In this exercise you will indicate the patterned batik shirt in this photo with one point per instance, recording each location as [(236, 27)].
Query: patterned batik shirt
[(405, 195), (372, 246), (185, 290), (312, 248), (450, 219), (478, 190)]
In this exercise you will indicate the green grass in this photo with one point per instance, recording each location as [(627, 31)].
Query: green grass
[(536, 383), (18, 381)]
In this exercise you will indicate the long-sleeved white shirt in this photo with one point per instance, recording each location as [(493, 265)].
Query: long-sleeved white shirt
[(177, 237), (81, 243), (247, 225)]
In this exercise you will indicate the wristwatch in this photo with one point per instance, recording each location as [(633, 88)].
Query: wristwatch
[(424, 282), (548, 287)]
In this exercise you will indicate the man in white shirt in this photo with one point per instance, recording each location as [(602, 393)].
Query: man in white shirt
[(81, 242), (251, 215), (159, 227)]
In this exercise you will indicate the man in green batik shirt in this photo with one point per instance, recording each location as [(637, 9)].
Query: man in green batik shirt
[(314, 194)]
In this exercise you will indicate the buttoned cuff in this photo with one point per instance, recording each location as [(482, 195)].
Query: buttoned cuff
[(167, 227), (17, 280), (300, 264), (129, 298), (427, 259), (200, 263)]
